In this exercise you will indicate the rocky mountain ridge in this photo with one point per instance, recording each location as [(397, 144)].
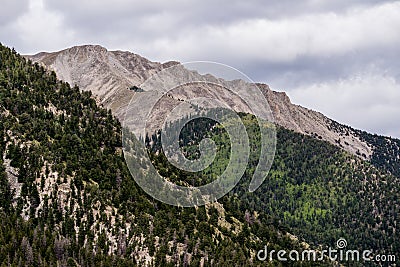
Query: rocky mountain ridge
[(110, 74), (78, 205)]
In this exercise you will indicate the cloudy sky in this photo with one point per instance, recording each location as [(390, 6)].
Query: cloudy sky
[(340, 57)]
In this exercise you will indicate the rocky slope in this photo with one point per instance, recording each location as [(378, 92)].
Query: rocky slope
[(110, 74), (67, 197), (79, 205)]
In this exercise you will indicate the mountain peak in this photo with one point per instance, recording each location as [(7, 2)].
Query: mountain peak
[(88, 48), (110, 74)]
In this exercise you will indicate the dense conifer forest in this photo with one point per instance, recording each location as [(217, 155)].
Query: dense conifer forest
[(68, 199)]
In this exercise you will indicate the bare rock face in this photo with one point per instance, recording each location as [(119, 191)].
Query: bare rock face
[(110, 76), (306, 121)]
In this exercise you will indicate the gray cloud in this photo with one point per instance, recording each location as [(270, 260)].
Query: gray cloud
[(367, 100), (196, 12), (11, 9), (306, 70), (303, 47)]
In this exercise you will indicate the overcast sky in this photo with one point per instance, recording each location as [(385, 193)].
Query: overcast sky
[(340, 57)]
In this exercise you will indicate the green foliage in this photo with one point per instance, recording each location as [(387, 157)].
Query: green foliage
[(77, 195), (81, 206), (385, 150), (314, 189)]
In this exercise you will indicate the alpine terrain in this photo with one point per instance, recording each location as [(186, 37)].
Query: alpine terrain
[(67, 197)]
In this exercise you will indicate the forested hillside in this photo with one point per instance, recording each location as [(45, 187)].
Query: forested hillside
[(317, 190), (68, 199), (385, 150)]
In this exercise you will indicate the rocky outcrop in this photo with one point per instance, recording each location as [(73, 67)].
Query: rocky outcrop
[(110, 76)]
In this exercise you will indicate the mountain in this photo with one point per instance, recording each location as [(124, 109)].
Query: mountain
[(67, 197), (110, 74)]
